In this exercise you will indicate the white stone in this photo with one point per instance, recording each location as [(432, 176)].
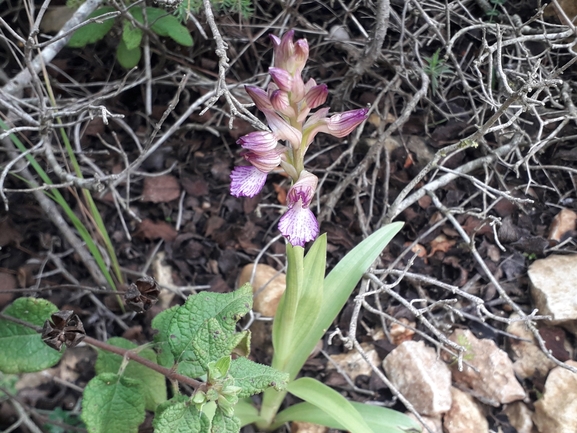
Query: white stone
[(353, 364), (434, 423), (556, 411), (528, 356), (520, 417), (553, 283), (465, 415), (489, 374), (420, 376), (268, 286)]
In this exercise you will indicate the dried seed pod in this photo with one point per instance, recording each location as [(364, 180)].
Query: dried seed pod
[(64, 327), (142, 294)]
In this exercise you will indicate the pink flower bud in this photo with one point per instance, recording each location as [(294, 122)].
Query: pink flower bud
[(246, 181), (280, 102), (282, 78), (338, 125), (301, 54), (317, 96), (342, 124), (289, 55), (298, 89), (259, 97), (258, 141)]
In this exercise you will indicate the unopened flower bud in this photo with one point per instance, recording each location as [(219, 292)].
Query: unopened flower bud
[(282, 78)]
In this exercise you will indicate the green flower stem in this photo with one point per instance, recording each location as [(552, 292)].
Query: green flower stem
[(284, 323), (283, 330), (271, 401)]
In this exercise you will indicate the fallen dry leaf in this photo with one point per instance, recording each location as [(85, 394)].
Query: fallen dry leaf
[(564, 221), (441, 243), (196, 187), (160, 189), (213, 224), (400, 333), (149, 229), (7, 282)]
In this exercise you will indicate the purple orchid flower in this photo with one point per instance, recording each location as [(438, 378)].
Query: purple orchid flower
[(286, 105)]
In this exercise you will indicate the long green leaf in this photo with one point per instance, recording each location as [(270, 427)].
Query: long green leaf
[(246, 412), (338, 286), (285, 323), (310, 302), (379, 419), (59, 199), (330, 402)]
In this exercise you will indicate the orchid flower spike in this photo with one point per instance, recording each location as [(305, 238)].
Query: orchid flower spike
[(287, 104)]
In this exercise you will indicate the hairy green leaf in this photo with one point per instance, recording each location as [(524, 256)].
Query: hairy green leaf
[(180, 34), (204, 328), (162, 323), (179, 415), (92, 32), (113, 403), (127, 58), (254, 378), (131, 35), (8, 382), (21, 348), (164, 24), (222, 423), (153, 383)]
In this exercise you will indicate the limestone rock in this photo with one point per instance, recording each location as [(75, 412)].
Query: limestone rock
[(465, 415), (520, 417), (353, 364), (553, 289), (421, 376), (435, 423), (528, 356), (556, 411), (307, 427), (268, 286), (490, 375)]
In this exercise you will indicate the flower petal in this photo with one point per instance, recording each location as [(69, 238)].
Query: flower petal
[(317, 96), (282, 78), (280, 102), (264, 161), (258, 141), (303, 190), (299, 225), (246, 181), (282, 129), (342, 124), (259, 97)]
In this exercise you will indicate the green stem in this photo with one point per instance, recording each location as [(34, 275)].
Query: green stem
[(285, 317), (283, 330)]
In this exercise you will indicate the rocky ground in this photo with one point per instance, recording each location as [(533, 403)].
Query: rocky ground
[(469, 141)]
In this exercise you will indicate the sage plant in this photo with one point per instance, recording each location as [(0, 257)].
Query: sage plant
[(287, 105)]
